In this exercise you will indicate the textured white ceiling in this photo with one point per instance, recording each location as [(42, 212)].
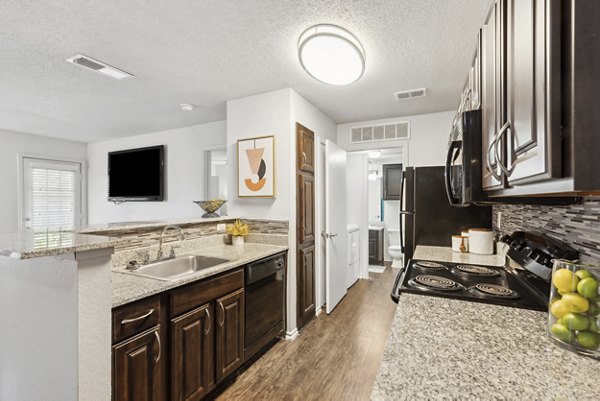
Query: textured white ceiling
[(205, 52)]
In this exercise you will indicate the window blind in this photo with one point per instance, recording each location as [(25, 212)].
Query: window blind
[(53, 198)]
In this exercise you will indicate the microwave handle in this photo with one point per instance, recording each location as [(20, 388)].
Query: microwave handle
[(450, 157)]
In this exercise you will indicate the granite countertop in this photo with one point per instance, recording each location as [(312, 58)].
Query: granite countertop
[(443, 348), (127, 288), (34, 244), (445, 254), (134, 225)]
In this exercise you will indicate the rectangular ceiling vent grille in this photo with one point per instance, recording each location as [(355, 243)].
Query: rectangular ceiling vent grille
[(98, 66), (378, 133), (410, 94)]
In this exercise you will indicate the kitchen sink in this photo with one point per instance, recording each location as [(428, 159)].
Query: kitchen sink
[(173, 269)]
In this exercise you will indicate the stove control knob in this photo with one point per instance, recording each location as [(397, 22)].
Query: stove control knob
[(517, 246)]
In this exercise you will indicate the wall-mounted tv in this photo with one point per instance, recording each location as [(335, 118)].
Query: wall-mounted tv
[(136, 174)]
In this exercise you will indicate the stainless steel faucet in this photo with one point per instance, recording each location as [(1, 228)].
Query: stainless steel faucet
[(160, 241)]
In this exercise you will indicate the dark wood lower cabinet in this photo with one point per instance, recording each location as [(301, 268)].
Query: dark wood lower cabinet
[(306, 290), (200, 337), (137, 367), (230, 333), (192, 354)]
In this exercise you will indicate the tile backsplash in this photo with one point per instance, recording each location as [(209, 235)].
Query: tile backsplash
[(577, 225)]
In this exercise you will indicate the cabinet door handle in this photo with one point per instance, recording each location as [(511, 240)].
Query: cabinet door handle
[(135, 319), (503, 167), (222, 321), (491, 146), (159, 346), (208, 319)]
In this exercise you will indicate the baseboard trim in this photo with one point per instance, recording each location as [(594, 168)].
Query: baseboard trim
[(319, 311), (291, 335)]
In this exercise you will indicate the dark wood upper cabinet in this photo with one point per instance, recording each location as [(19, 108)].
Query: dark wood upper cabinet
[(306, 145), (392, 181), (539, 98), (492, 95), (532, 91), (137, 367), (192, 354), (230, 333), (306, 202)]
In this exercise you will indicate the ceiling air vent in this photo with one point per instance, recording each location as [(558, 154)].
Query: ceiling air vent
[(379, 133), (410, 94), (98, 66)]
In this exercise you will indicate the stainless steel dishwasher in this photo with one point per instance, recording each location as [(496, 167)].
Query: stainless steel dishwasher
[(265, 303)]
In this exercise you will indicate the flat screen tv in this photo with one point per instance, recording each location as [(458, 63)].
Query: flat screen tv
[(136, 174)]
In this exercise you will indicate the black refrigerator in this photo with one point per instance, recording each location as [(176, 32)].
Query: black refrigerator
[(429, 219)]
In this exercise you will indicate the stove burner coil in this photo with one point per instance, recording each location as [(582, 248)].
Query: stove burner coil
[(426, 265), (496, 291), (435, 283), (476, 270)]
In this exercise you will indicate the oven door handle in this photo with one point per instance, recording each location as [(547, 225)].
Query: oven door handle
[(395, 289)]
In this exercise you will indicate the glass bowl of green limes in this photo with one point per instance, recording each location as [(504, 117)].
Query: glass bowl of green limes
[(574, 307)]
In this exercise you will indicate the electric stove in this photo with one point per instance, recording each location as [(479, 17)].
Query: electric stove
[(500, 285)]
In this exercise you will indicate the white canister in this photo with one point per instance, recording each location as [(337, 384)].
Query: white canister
[(465, 233), (460, 243), (481, 241)]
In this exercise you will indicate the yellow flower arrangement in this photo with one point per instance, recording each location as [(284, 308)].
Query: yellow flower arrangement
[(238, 229)]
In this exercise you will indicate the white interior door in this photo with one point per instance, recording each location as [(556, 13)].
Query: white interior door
[(336, 231)]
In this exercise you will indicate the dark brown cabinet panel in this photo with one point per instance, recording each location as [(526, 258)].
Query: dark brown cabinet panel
[(305, 220), (230, 333), (306, 202), (305, 267), (492, 96), (392, 181), (533, 91), (137, 368), (306, 145), (192, 354), (376, 247)]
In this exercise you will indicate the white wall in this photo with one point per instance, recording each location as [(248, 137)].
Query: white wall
[(274, 113), (426, 146), (185, 170), (13, 143)]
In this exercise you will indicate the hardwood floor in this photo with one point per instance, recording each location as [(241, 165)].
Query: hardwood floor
[(336, 357)]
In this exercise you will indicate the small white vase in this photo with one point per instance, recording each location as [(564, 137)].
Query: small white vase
[(237, 240)]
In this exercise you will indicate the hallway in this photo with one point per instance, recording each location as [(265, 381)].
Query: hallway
[(335, 358)]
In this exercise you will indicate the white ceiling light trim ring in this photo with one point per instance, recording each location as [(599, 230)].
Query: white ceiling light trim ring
[(331, 54)]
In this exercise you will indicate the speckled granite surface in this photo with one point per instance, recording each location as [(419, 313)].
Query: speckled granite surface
[(445, 254), (35, 244), (446, 349), (158, 224), (127, 288)]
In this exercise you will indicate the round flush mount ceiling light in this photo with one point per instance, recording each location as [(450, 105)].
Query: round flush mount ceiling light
[(186, 106), (331, 54)]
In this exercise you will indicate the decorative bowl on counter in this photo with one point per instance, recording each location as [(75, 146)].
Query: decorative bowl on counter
[(574, 307), (210, 207)]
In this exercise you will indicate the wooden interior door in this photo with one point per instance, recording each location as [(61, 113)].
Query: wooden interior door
[(305, 220), (230, 333), (192, 350)]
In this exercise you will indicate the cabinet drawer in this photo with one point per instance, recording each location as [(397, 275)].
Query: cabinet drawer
[(195, 295), (135, 318)]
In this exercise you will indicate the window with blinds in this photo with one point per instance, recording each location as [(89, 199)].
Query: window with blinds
[(52, 194)]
